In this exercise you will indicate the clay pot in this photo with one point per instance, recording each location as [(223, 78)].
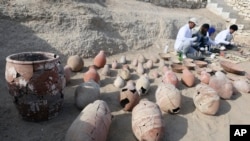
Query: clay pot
[(154, 74), (114, 64), (106, 70), (147, 122), (221, 85), (231, 67), (125, 74), (35, 80), (187, 77), (142, 85), (123, 59), (141, 58), (169, 77), (154, 59), (92, 123), (135, 62), (200, 64), (149, 64), (67, 73), (140, 69), (161, 64), (241, 86), (206, 99), (177, 68), (129, 97), (91, 74), (126, 66), (75, 62), (164, 69), (205, 77), (86, 93), (168, 98), (119, 82), (165, 56), (100, 59)]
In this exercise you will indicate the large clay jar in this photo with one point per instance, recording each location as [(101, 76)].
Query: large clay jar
[(142, 85), (34, 80), (86, 93), (221, 85), (75, 63), (205, 77), (206, 99), (100, 59), (91, 74), (241, 86), (92, 124), (187, 77), (147, 121), (129, 97), (168, 98), (169, 77)]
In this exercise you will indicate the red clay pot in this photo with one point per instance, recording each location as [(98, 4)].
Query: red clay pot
[(91, 74), (100, 59)]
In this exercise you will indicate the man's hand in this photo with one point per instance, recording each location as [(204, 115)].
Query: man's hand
[(194, 38)]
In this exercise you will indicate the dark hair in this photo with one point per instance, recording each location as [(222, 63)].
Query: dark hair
[(234, 27), (206, 26)]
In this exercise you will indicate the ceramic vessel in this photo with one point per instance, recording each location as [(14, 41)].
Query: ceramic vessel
[(100, 59), (169, 77), (205, 77), (168, 98), (92, 124), (35, 80), (91, 74), (75, 62), (147, 122), (86, 93), (129, 97), (241, 86), (67, 73), (142, 85), (106, 70), (206, 99), (188, 77)]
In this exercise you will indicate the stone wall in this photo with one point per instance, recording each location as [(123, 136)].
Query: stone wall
[(243, 6), (192, 4)]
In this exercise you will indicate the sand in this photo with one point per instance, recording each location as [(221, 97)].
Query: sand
[(188, 125)]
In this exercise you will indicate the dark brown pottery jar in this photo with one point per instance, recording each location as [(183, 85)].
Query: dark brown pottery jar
[(35, 80)]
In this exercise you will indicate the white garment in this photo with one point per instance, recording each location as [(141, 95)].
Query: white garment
[(222, 36), (211, 42), (184, 34)]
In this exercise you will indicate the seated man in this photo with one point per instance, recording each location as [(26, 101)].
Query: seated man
[(184, 38), (224, 38), (202, 38), (204, 42)]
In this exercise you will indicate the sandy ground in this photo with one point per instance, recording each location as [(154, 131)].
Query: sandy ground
[(188, 125)]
